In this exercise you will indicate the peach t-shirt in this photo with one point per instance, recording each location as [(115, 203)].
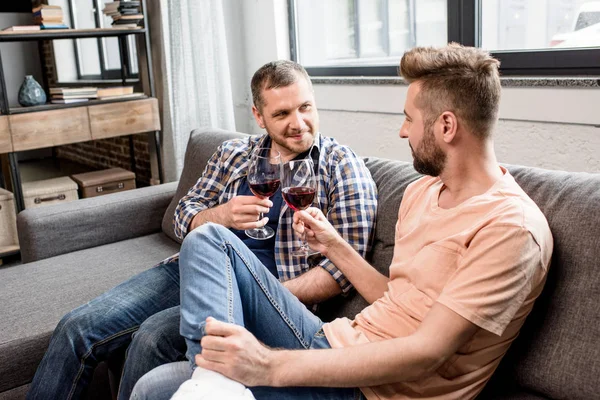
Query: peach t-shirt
[(486, 259)]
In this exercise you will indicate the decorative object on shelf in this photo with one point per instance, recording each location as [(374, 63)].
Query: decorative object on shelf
[(31, 93)]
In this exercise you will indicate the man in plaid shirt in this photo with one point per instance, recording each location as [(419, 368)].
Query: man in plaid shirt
[(284, 106)]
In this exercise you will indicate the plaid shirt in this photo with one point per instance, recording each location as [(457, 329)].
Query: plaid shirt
[(347, 195)]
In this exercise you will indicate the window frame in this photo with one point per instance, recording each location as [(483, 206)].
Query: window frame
[(464, 18), (105, 74)]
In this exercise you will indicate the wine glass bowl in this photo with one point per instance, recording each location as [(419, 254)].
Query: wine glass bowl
[(298, 198), (299, 186), (263, 178)]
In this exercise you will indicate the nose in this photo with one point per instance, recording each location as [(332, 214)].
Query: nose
[(404, 131), (297, 122)]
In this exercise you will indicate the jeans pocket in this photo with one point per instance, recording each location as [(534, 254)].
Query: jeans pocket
[(320, 340)]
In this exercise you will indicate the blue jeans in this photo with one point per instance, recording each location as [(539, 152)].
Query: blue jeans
[(222, 278), (103, 327)]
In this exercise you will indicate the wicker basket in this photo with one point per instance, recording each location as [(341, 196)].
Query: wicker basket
[(8, 223)]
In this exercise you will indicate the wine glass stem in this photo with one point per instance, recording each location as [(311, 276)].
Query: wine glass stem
[(260, 217)]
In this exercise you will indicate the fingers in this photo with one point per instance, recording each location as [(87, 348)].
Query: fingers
[(209, 364), (249, 200), (218, 328)]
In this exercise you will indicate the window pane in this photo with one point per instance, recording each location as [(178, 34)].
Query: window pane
[(366, 32), (540, 24), (370, 22)]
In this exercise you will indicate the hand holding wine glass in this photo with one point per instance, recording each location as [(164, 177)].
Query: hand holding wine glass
[(264, 180), (318, 231), (299, 187)]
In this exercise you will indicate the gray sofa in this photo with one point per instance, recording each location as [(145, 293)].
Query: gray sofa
[(76, 251)]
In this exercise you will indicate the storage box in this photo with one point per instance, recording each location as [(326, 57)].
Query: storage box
[(8, 223), (49, 191), (106, 181)]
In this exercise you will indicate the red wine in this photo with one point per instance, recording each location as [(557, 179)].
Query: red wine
[(265, 189), (298, 198)]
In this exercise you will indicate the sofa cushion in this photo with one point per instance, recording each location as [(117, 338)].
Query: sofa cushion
[(557, 353), (201, 145), (35, 296)]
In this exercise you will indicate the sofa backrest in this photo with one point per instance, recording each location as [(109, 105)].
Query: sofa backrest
[(201, 145), (558, 351)]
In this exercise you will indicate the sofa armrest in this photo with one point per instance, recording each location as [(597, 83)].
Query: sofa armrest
[(58, 229)]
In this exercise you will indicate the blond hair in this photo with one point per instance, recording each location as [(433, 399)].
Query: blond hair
[(464, 80)]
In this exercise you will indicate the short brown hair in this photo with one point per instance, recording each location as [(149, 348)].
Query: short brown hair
[(464, 80), (274, 75)]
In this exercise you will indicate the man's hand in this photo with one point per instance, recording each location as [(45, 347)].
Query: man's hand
[(320, 234), (241, 212), (234, 352)]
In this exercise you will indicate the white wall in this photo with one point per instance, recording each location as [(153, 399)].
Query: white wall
[(554, 146), (555, 128)]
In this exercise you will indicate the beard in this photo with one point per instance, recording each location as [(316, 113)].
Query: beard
[(298, 147), (429, 159)]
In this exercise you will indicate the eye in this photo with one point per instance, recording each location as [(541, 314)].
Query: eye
[(304, 107)]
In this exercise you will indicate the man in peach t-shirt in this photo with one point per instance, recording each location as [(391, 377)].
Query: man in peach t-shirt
[(471, 255)]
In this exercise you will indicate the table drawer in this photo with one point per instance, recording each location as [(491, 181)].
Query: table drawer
[(49, 128), (125, 118)]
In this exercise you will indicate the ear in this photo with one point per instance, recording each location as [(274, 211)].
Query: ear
[(449, 125), (258, 117)]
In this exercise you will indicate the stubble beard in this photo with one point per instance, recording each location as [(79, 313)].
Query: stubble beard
[(429, 159)]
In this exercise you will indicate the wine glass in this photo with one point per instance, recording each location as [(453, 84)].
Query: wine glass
[(299, 186), (263, 179)]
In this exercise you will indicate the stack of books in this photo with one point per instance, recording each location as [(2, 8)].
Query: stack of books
[(63, 95), (49, 17), (117, 92), (125, 14)]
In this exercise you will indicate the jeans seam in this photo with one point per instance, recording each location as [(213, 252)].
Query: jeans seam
[(229, 287), (270, 298), (86, 355)]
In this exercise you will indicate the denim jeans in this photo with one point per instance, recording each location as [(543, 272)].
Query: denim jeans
[(104, 326), (157, 342), (222, 278)]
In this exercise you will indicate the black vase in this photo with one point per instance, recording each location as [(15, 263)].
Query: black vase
[(31, 93)]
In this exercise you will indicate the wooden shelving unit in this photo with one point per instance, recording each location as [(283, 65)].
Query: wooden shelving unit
[(60, 124)]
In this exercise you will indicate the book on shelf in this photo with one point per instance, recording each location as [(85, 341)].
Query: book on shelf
[(22, 28), (68, 101), (124, 25), (114, 91), (56, 20), (60, 89), (138, 17), (53, 26), (122, 96), (73, 96), (48, 13), (45, 7), (71, 93)]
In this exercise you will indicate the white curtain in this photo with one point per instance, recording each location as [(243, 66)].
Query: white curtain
[(192, 77)]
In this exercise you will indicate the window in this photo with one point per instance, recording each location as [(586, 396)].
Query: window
[(99, 58), (368, 37)]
